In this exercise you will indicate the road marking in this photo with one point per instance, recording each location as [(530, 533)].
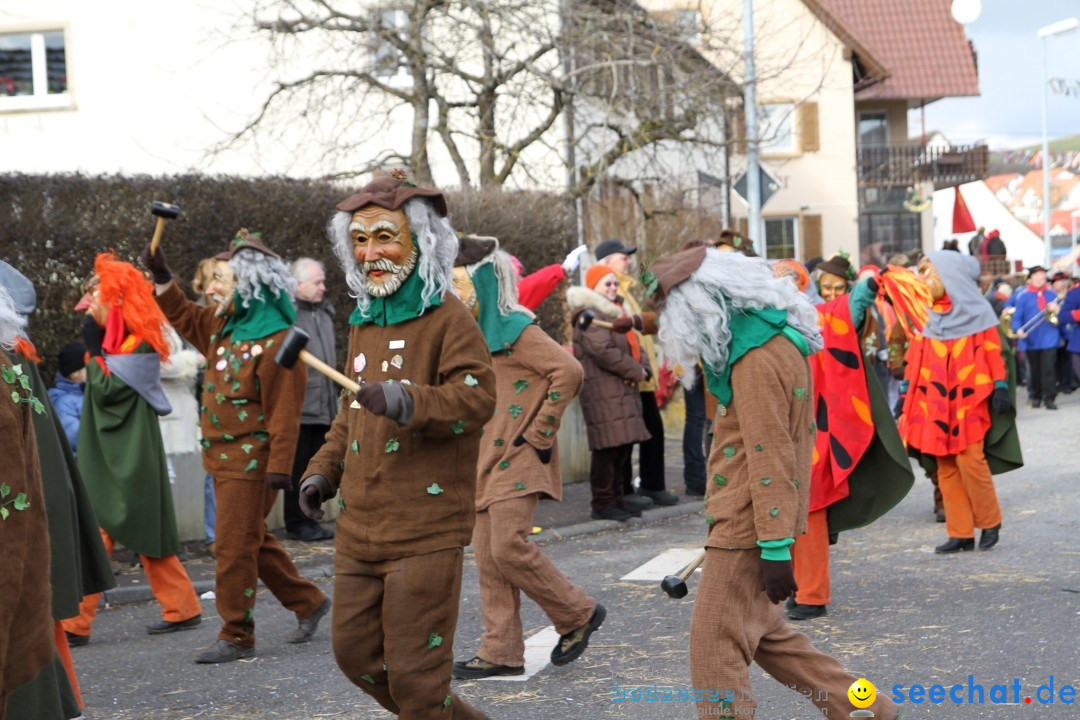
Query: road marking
[(666, 563), (537, 654)]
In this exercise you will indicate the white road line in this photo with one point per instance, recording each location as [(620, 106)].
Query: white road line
[(666, 563), (537, 654)]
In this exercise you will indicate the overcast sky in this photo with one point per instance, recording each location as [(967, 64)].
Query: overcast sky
[(1008, 114)]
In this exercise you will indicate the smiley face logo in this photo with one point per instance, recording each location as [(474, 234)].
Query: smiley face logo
[(862, 693)]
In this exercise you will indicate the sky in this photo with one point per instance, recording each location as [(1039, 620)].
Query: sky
[(1008, 114)]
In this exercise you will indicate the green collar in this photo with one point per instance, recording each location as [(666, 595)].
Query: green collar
[(261, 317), (500, 331), (749, 330), (404, 305)]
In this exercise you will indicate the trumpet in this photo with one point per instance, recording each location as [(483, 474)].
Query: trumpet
[(1047, 315)]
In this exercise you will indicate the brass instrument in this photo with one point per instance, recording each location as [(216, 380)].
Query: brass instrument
[(1047, 315), (1005, 321)]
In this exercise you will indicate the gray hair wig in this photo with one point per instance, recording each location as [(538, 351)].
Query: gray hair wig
[(255, 271), (435, 238), (696, 318), (11, 322), (508, 282)]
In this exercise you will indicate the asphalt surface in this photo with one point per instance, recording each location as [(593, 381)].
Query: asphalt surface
[(899, 615)]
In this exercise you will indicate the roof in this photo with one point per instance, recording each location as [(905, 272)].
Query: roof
[(923, 51)]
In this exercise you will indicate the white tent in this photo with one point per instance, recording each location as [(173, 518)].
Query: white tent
[(987, 211)]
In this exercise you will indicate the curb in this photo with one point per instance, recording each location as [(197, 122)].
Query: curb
[(142, 593)]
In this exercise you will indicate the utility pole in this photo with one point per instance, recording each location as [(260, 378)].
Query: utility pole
[(753, 173)]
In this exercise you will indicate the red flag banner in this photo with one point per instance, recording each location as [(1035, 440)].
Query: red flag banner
[(961, 216)]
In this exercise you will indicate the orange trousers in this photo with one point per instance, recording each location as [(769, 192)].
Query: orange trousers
[(64, 651), (169, 582), (967, 488), (810, 554)]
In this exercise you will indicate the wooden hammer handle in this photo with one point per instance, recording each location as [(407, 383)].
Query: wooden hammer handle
[(158, 230), (694, 565), (329, 372), (602, 323)]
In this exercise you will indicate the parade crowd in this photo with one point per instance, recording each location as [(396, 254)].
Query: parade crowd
[(808, 390)]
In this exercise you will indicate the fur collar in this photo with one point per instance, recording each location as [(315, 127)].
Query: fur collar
[(580, 298)]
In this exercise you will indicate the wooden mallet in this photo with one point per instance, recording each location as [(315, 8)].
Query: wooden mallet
[(589, 318), (675, 585), (292, 349), (162, 211)]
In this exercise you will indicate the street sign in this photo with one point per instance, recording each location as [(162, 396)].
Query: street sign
[(769, 186)]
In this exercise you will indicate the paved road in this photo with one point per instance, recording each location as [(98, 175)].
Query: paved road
[(900, 614)]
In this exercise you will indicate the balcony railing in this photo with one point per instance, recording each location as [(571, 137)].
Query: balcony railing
[(903, 165)]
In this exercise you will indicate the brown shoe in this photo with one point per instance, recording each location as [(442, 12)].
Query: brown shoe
[(306, 628), (166, 626), (573, 643), (223, 651)]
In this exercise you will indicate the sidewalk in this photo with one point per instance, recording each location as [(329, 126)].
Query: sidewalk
[(568, 518)]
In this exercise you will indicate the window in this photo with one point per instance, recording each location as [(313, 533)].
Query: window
[(873, 128), (776, 129), (688, 23), (388, 62), (780, 240), (33, 71)]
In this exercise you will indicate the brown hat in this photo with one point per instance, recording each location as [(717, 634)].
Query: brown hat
[(837, 265), (246, 240), (390, 192), (667, 272), (474, 248)]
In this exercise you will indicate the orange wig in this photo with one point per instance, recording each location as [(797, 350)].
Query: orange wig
[(122, 287)]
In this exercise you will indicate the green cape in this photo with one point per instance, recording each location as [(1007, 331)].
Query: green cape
[(1002, 442), (261, 317), (749, 330), (500, 331)]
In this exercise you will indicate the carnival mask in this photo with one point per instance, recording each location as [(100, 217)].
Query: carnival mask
[(221, 287), (384, 247), (91, 303), (928, 274), (466, 290), (832, 286)]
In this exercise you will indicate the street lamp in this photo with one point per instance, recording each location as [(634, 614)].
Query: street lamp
[(1062, 26)]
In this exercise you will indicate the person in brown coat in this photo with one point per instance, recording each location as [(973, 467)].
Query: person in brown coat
[(26, 625), (614, 365), (250, 421), (753, 333), (401, 455), (535, 379)]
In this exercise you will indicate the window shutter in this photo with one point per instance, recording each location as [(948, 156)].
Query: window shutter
[(811, 236), (737, 127), (809, 135), (742, 225)]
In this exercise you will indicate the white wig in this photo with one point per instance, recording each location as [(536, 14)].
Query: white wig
[(508, 282), (256, 271), (695, 322), (11, 322), (434, 237)]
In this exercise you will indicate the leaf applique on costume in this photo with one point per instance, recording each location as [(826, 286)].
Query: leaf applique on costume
[(720, 480), (205, 443), (434, 489), (223, 456), (246, 447), (219, 397), (499, 442), (252, 465), (519, 486), (515, 411), (242, 415), (341, 502), (249, 592), (446, 703), (434, 640), (392, 445), (729, 451), (458, 428), (710, 520), (355, 447), (799, 392), (757, 448), (520, 386), (505, 464), (227, 437), (554, 396), (22, 501), (368, 679), (766, 481), (773, 512)]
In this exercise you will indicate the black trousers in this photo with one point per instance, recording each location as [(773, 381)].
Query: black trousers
[(693, 445), (1042, 374), (605, 476), (651, 452), (308, 443)]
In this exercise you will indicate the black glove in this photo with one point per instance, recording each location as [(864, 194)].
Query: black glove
[(311, 500), (277, 481), (372, 398), (999, 401), (898, 408), (777, 579), (93, 335), (544, 455), (872, 284), (157, 265)]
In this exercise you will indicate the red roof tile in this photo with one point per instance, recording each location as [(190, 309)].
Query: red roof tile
[(924, 51)]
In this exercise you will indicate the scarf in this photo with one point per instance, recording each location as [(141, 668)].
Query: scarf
[(1038, 294), (261, 317), (751, 329), (500, 331), (632, 338), (405, 304)]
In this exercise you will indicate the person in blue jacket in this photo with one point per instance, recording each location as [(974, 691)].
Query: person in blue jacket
[(1040, 341), (67, 394), (1069, 320)]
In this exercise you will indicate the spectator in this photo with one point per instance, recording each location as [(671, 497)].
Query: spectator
[(952, 244), (614, 364), (67, 394), (315, 316), (975, 243), (1039, 340), (204, 275)]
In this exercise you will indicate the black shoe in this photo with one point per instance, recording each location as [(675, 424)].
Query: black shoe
[(306, 628), (661, 497), (636, 501), (955, 545), (310, 533), (573, 643), (695, 491), (989, 537), (76, 640), (164, 626), (939, 516), (806, 612), (631, 511), (1050, 404), (612, 513), (223, 651), (789, 604), (1035, 402), (478, 668)]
